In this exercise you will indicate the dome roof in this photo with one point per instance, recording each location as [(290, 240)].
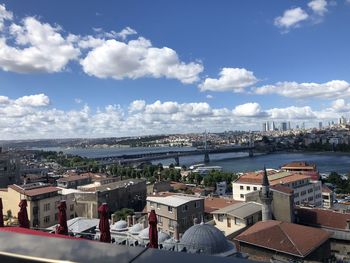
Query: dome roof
[(162, 237), (144, 233), (135, 229), (206, 239), (119, 225)]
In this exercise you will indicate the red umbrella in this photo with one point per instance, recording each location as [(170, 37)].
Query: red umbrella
[(23, 215), (153, 233), (62, 219), (105, 235), (1, 215)]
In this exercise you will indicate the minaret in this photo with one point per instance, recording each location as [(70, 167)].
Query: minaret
[(266, 198)]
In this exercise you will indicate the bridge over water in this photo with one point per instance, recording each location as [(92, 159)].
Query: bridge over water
[(146, 157)]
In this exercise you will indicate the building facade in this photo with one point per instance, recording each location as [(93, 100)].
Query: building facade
[(42, 201), (73, 181), (305, 190), (9, 169), (176, 213)]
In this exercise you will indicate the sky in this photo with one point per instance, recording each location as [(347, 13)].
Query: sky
[(129, 68)]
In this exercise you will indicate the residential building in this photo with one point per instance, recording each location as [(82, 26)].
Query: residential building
[(117, 195), (9, 169), (306, 191), (285, 242), (302, 167), (327, 197), (73, 181), (336, 223), (233, 219), (176, 213), (42, 201)]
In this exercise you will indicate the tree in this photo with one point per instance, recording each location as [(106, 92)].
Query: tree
[(123, 213)]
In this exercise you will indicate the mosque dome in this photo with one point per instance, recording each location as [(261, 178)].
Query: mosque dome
[(162, 237), (120, 225), (136, 229), (207, 239), (144, 234)]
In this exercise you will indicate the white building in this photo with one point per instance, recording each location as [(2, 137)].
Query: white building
[(305, 190)]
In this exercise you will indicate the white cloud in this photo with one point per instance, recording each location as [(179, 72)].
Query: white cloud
[(292, 113), (331, 89), (340, 105), (230, 79), (4, 15), (138, 58), (251, 109), (126, 32), (78, 101), (40, 48), (319, 7), (209, 96), (23, 118), (291, 18), (37, 100)]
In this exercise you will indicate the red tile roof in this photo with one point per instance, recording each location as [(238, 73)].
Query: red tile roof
[(325, 189), (256, 178), (35, 191), (284, 237), (322, 217), (297, 165), (214, 203)]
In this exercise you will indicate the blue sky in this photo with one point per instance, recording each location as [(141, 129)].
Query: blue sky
[(117, 68)]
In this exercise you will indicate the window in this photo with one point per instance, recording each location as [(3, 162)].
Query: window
[(249, 220), (71, 216), (170, 209), (255, 188), (71, 207), (197, 204), (303, 193), (221, 217), (242, 195), (158, 206), (47, 207), (184, 221), (228, 222), (310, 190), (151, 204), (248, 188), (172, 224), (160, 220), (184, 208), (241, 187), (47, 219), (310, 198), (56, 216)]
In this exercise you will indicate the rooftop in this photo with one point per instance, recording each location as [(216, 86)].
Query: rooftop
[(173, 200), (35, 191), (115, 185), (214, 203), (298, 165), (73, 178), (274, 179), (322, 217), (288, 238), (241, 210)]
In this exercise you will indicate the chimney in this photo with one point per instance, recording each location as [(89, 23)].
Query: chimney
[(129, 220), (133, 220), (348, 224)]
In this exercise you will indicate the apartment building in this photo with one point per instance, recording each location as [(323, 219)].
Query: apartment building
[(233, 219), (176, 213), (305, 190), (42, 201), (117, 195), (328, 197), (9, 168)]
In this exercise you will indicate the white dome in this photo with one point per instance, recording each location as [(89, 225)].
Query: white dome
[(136, 229), (144, 234), (162, 237), (119, 225), (204, 238)]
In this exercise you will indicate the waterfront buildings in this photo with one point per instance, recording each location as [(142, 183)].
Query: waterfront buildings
[(176, 213), (305, 190)]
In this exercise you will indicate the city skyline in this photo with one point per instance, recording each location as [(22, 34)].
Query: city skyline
[(118, 69)]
